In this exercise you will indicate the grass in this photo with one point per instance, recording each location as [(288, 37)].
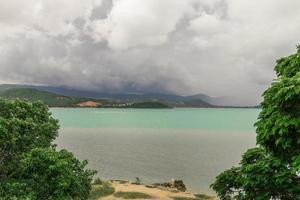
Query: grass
[(101, 191), (132, 195), (202, 196), (198, 197)]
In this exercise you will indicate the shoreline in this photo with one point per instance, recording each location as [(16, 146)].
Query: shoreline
[(121, 188), (220, 107)]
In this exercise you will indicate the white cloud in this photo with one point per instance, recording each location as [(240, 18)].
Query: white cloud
[(133, 22), (50, 15), (207, 24)]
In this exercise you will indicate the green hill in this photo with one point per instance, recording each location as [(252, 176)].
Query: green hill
[(50, 99), (57, 100)]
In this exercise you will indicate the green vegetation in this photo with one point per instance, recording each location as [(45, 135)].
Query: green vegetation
[(132, 195), (148, 104), (101, 190), (50, 99), (202, 196), (30, 166), (198, 197), (271, 170), (97, 181)]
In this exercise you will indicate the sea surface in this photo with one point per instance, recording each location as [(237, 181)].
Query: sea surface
[(157, 145)]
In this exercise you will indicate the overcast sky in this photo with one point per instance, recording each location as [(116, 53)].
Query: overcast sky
[(216, 47)]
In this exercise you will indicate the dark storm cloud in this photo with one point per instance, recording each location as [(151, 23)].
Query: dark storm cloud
[(217, 47)]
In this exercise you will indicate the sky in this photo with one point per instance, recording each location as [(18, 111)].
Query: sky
[(222, 48)]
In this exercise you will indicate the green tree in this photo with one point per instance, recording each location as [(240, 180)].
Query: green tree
[(30, 167), (23, 126), (271, 170), (56, 175)]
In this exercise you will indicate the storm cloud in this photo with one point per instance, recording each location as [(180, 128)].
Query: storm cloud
[(217, 47)]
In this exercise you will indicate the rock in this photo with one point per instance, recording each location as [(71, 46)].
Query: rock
[(150, 186), (167, 185), (120, 181), (179, 185)]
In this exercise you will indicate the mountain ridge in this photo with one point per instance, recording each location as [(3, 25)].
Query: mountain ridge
[(174, 100)]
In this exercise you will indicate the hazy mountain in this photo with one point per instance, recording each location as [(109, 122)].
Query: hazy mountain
[(199, 100)]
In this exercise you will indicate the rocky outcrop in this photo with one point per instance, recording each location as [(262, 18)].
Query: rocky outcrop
[(177, 184)]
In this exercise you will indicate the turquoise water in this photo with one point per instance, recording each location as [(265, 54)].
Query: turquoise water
[(158, 145), (180, 118)]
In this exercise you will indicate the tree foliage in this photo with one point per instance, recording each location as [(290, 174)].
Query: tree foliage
[(271, 170), (30, 167), (56, 175)]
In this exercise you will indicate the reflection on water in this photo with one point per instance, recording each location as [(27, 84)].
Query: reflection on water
[(156, 155)]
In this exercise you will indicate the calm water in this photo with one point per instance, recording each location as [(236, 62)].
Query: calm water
[(158, 144)]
